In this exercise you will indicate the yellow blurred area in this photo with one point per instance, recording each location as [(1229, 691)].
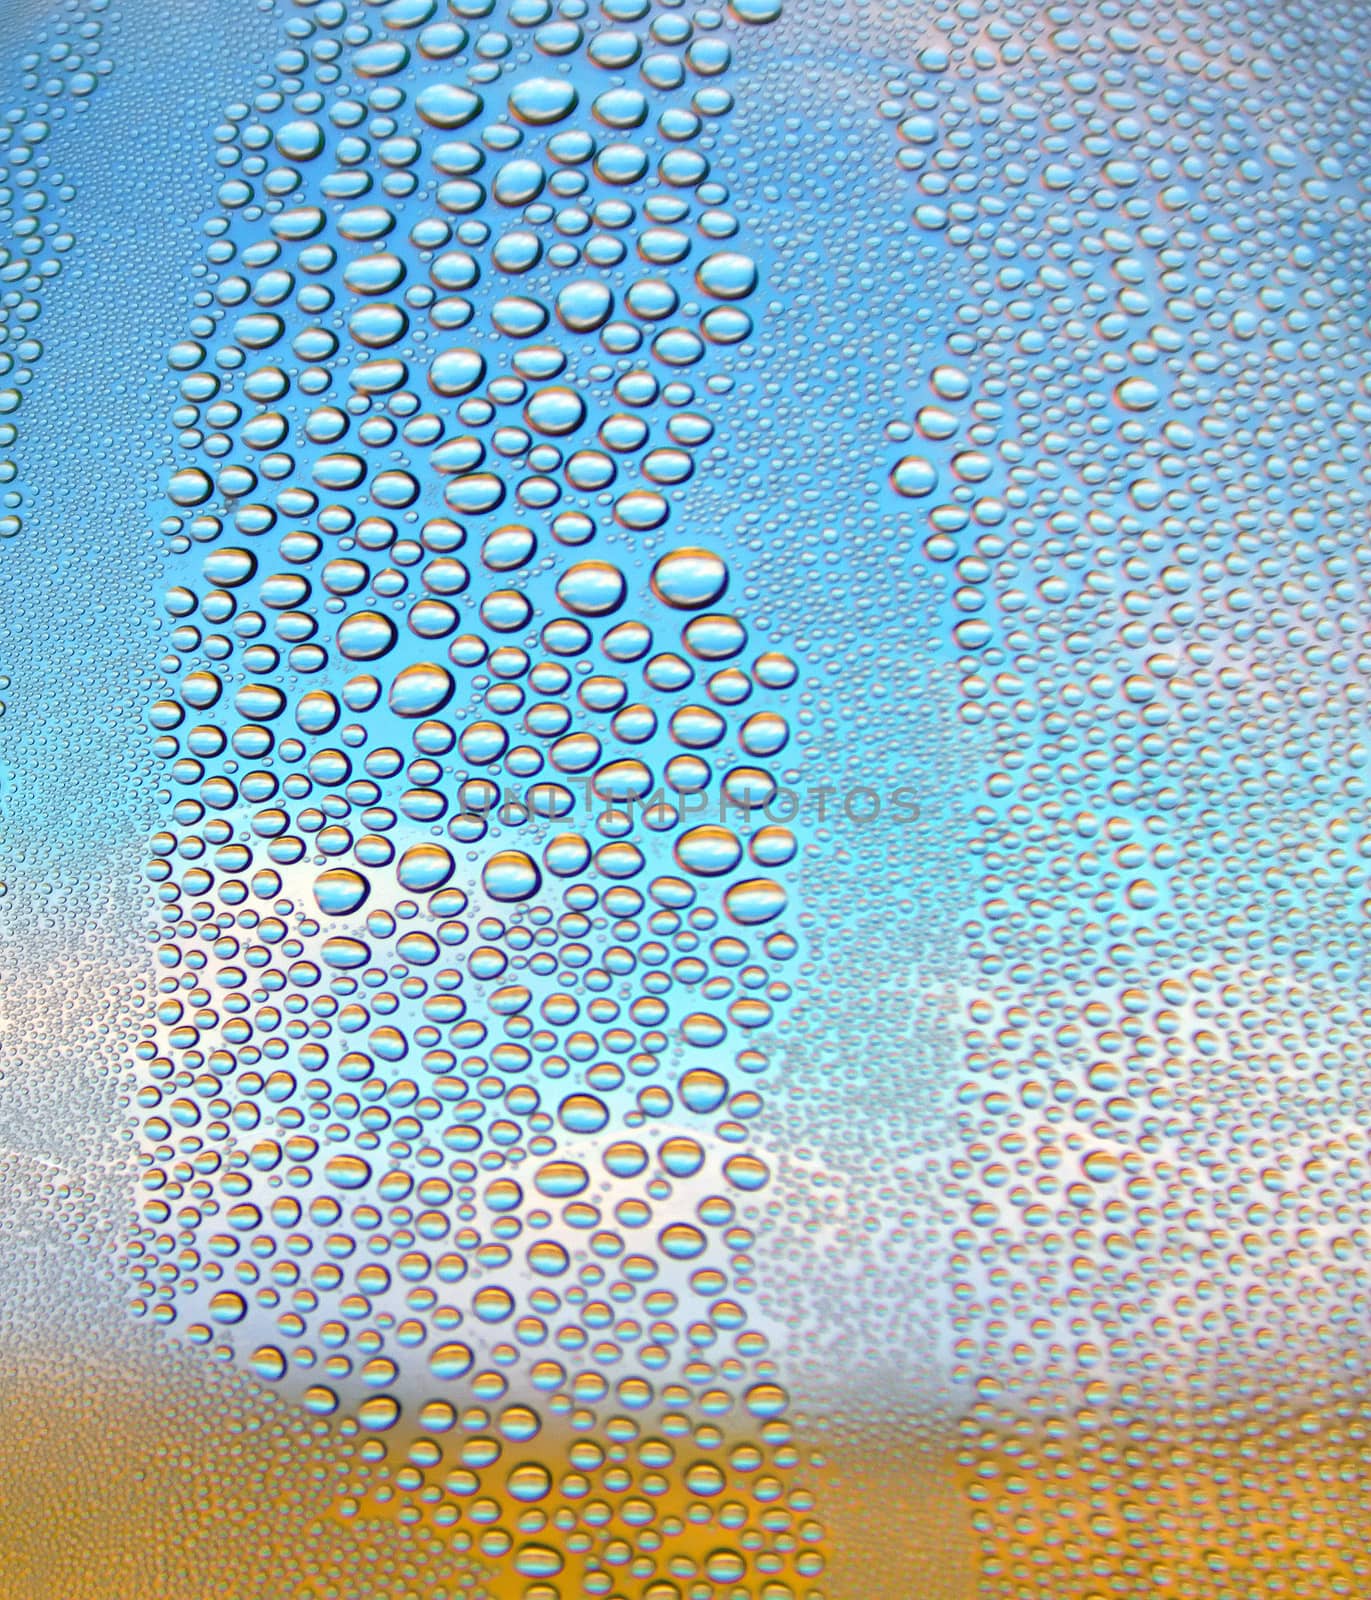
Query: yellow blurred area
[(179, 1480), (200, 1485), (132, 1469), (1225, 1502)]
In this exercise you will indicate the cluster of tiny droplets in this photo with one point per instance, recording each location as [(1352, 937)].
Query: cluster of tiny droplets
[(469, 885), (34, 199), (58, 80), (1140, 453)]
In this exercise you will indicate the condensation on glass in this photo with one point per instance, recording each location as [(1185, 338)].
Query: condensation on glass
[(682, 800)]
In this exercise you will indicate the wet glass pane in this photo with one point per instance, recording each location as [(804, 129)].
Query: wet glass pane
[(683, 800)]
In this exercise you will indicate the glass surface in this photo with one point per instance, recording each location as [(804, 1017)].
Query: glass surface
[(683, 800)]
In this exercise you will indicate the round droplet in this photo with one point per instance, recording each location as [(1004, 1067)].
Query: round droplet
[(447, 105), (227, 1307), (727, 275), (913, 477), (420, 690), (584, 305), (766, 1399), (689, 578), (456, 371), (747, 1172), (583, 1113), (510, 875), (340, 890), (539, 101), (592, 588), (365, 635), (450, 1361), (268, 1363), (708, 851), (347, 1171), (301, 140), (424, 867), (189, 487), (754, 900), (555, 410), (344, 954)]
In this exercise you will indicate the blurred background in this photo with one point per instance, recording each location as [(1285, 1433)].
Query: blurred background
[(925, 445)]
